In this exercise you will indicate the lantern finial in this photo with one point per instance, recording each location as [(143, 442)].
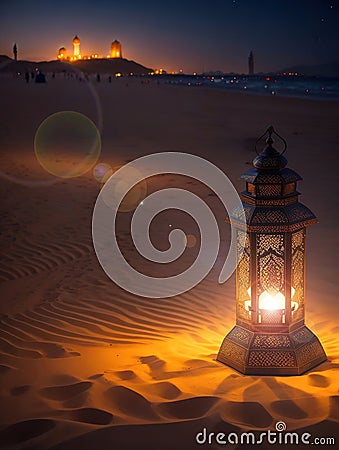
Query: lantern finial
[(270, 158), (270, 130), (269, 140)]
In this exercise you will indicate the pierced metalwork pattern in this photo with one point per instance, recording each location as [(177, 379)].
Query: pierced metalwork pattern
[(238, 213), (297, 275), (269, 190), (298, 212), (232, 352), (271, 273), (269, 216), (243, 275), (302, 336), (269, 178), (271, 267), (283, 176), (267, 242), (272, 359), (289, 175), (276, 227), (271, 316), (271, 201), (271, 341), (268, 162), (240, 335), (310, 352)]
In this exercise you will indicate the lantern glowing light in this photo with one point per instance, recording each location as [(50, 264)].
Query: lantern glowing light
[(270, 336), (271, 300)]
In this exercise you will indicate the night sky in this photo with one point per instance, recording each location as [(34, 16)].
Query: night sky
[(193, 36)]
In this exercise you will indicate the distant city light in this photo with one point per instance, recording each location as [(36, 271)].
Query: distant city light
[(115, 52)]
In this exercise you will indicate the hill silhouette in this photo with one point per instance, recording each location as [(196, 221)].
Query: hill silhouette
[(110, 66)]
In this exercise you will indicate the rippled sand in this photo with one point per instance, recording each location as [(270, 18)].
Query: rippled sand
[(87, 365)]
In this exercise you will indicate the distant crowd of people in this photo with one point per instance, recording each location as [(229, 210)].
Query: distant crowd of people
[(40, 77)]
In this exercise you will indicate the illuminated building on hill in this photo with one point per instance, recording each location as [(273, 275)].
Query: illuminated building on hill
[(76, 47), (115, 50), (62, 53)]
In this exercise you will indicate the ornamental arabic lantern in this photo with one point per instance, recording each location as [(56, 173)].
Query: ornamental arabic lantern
[(270, 336)]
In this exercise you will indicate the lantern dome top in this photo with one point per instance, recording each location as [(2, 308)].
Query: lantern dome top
[(76, 40), (270, 201), (269, 167), (258, 176), (270, 158)]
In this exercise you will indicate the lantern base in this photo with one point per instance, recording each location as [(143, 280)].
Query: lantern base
[(281, 353)]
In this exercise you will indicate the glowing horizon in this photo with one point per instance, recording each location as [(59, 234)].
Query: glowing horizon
[(176, 36)]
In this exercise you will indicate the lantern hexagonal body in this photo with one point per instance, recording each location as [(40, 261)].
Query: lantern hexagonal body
[(270, 336)]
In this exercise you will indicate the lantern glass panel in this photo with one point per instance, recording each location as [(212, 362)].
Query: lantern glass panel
[(297, 275), (270, 277), (288, 188), (243, 276)]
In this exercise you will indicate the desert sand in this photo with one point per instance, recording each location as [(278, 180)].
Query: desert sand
[(86, 365)]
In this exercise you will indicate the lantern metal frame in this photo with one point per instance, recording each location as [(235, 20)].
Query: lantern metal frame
[(270, 336)]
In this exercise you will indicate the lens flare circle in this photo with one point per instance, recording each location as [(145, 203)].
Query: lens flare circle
[(191, 241), (132, 195), (90, 98), (105, 214), (67, 144), (102, 172)]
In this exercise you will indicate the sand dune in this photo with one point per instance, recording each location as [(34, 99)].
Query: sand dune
[(62, 393), (87, 365), (25, 431)]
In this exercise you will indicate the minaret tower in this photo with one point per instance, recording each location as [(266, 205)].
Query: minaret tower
[(76, 46), (251, 63), (115, 50), (15, 52)]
